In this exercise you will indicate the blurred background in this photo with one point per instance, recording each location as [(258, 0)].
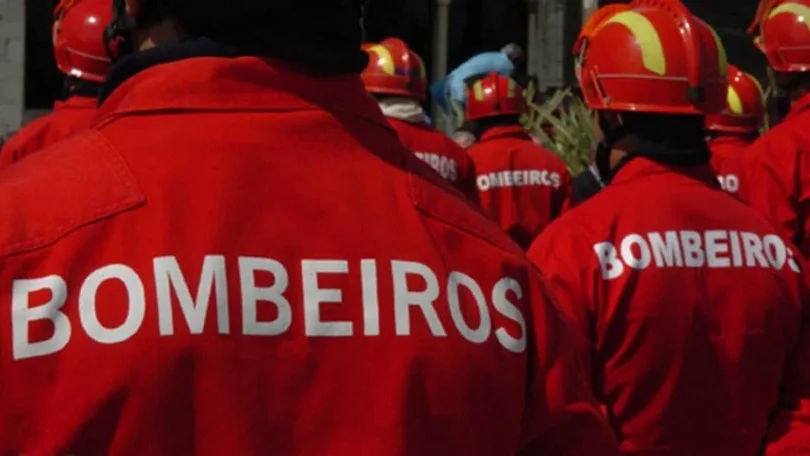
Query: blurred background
[(545, 28)]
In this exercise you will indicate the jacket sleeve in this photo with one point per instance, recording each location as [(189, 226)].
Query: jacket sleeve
[(769, 171), (563, 417), (789, 433)]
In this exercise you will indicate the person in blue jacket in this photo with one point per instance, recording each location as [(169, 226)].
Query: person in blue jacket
[(452, 86)]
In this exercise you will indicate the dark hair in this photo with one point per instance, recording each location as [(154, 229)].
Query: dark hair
[(75, 86), (480, 126), (319, 33), (674, 130)]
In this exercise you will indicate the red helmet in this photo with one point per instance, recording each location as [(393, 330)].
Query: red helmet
[(654, 57), (394, 69), (782, 30), (745, 105), (494, 95), (78, 38), (593, 23)]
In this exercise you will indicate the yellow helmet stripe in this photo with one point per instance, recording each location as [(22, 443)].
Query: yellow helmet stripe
[(510, 91), (384, 59), (652, 51), (734, 102), (478, 91)]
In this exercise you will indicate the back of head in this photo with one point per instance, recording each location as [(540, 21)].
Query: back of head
[(673, 64), (394, 69), (514, 52), (492, 96), (322, 36), (78, 43), (744, 112)]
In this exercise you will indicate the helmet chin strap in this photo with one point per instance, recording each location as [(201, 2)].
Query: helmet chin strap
[(118, 34)]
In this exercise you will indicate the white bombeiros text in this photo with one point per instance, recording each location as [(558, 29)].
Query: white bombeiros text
[(693, 249), (518, 178), (174, 298)]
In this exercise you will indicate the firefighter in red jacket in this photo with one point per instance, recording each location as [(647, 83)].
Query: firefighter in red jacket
[(691, 303), (396, 76), (732, 131), (78, 31), (777, 166), (587, 183), (520, 184), (239, 257)]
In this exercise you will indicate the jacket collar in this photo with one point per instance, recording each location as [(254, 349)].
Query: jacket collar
[(641, 167), (76, 102), (204, 76), (512, 131), (731, 140)]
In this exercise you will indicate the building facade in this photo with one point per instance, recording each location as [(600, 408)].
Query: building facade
[(12, 64)]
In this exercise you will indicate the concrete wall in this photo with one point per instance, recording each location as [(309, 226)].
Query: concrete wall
[(12, 64), (547, 59), (552, 35)]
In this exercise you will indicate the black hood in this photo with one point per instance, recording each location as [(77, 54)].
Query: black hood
[(130, 65)]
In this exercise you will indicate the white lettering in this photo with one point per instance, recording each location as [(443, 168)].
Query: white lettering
[(405, 297), (666, 249), (736, 250), (629, 257), (314, 296), (136, 304), (168, 277), (482, 182), (371, 300), (715, 246), (775, 251), (22, 315), (752, 245), (475, 335), (112, 303), (693, 249), (253, 294), (730, 183), (518, 178), (608, 260), (509, 310)]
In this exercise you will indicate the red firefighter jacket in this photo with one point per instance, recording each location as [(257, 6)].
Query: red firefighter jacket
[(693, 308), (67, 118), (241, 259), (728, 152), (520, 184), (439, 151), (777, 175)]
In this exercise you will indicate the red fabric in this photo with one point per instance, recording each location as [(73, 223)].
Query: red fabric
[(776, 172), (727, 157), (520, 184), (690, 330), (338, 273), (67, 118), (440, 152)]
